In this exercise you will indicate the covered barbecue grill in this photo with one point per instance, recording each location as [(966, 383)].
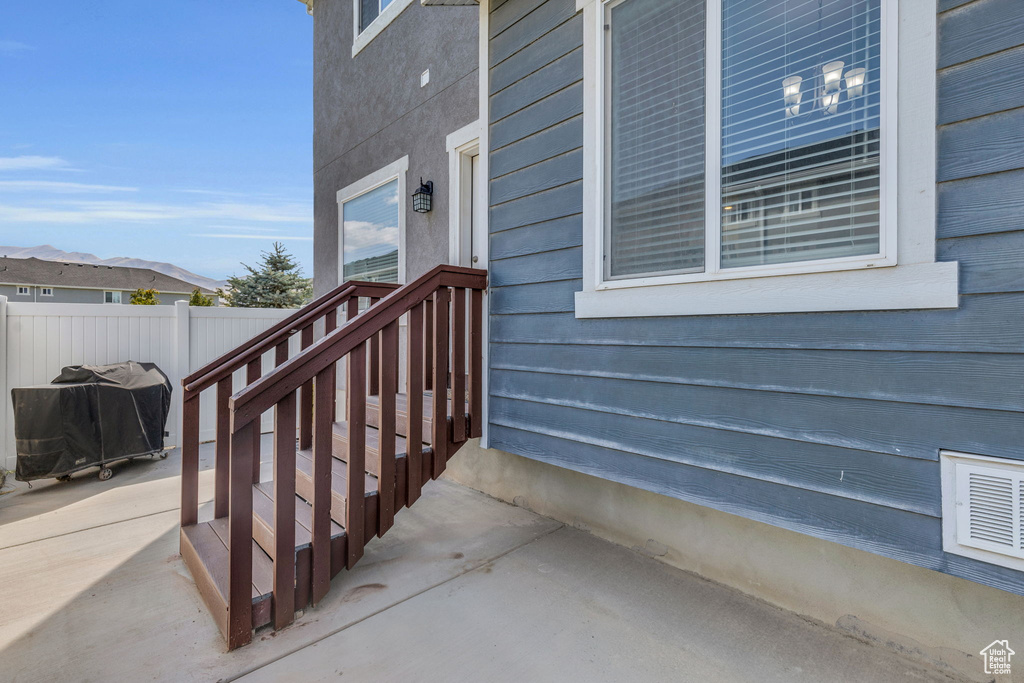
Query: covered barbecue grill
[(91, 415)]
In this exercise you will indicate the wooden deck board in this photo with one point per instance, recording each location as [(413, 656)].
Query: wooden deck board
[(206, 554)]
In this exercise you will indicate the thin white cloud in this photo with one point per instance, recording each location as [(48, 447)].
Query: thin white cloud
[(253, 237), (32, 163), (240, 228), (107, 211), (58, 187), (12, 46)]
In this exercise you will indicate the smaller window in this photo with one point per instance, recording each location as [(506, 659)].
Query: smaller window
[(370, 10), (370, 17), (47, 291), (111, 297), (23, 291)]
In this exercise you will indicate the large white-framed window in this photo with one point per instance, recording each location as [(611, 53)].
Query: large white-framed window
[(111, 297), (371, 226), (741, 156), (370, 17)]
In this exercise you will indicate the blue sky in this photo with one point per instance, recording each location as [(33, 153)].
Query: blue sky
[(171, 131)]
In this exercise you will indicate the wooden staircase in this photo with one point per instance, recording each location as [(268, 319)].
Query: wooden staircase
[(272, 546)]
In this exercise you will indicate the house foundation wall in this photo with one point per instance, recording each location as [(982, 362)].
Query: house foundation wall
[(926, 615)]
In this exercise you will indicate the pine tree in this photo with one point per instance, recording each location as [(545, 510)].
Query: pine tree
[(199, 299), (144, 297), (277, 283)]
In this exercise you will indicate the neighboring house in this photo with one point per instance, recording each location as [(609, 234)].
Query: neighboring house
[(32, 279), (758, 258)]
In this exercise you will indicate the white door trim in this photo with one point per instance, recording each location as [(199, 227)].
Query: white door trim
[(462, 146)]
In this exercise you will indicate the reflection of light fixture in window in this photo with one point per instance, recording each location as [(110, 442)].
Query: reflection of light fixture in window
[(830, 92), (792, 95), (855, 82), (833, 72), (830, 102)]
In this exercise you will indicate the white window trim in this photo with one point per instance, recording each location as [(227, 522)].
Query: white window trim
[(390, 172), (120, 296), (915, 281), (462, 145), (27, 292), (46, 291), (386, 16)]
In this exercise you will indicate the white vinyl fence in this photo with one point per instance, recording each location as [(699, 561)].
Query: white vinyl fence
[(38, 339)]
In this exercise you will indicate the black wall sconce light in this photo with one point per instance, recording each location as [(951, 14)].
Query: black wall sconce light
[(423, 197)]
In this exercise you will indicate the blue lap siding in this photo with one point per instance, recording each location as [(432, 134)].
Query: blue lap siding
[(829, 424)]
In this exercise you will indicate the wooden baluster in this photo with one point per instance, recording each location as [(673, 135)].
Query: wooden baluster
[(355, 491), (386, 427), (306, 399), (284, 511), (439, 441), (428, 344), (374, 359), (190, 461), (223, 455), (253, 371), (351, 311), (240, 538), (458, 382), (414, 404), (284, 502), (476, 363), (331, 324), (323, 428)]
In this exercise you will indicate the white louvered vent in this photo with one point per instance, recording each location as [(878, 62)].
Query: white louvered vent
[(983, 508)]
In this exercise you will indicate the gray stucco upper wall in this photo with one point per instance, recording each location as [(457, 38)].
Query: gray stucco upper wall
[(369, 110)]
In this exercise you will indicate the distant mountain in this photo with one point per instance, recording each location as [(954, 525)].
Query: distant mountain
[(48, 253)]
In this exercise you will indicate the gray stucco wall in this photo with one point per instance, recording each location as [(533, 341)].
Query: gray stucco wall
[(829, 424), (69, 295), (370, 111)]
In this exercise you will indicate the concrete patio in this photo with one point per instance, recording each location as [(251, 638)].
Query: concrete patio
[(464, 588)]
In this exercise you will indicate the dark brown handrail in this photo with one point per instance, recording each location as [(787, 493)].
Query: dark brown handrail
[(220, 367), (260, 396)]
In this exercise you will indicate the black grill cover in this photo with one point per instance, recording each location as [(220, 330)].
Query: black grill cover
[(90, 415)]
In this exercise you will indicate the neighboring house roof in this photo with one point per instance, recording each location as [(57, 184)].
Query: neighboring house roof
[(33, 271)]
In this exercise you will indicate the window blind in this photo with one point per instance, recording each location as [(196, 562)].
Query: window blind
[(370, 235), (800, 137), (655, 137)]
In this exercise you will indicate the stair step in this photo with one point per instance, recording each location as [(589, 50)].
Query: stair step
[(372, 450), (372, 458), (204, 549), (263, 532), (401, 414), (339, 479), (402, 417)]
